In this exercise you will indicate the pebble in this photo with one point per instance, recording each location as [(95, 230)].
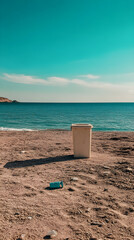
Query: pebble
[(16, 214), (88, 210), (110, 236), (51, 234), (86, 194), (131, 209), (97, 209), (99, 224), (107, 220), (74, 179), (106, 173), (29, 218), (71, 189), (106, 167), (23, 152), (92, 238), (129, 169), (22, 237), (79, 211)]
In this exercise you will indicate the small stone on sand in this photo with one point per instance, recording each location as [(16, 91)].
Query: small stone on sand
[(99, 224), (88, 210), (23, 236), (71, 189), (106, 167), (74, 179), (106, 173), (51, 234), (23, 152), (16, 214), (129, 169)]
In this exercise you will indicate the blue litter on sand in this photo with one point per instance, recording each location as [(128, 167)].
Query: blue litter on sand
[(56, 185)]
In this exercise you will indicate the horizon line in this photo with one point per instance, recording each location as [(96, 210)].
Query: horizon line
[(65, 102)]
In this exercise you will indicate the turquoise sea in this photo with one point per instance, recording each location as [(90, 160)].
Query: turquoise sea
[(35, 116)]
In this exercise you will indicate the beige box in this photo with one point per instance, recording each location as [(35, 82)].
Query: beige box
[(82, 134)]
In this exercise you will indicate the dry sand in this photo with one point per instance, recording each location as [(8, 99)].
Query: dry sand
[(100, 205)]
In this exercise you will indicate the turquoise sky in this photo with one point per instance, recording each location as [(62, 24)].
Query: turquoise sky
[(67, 50)]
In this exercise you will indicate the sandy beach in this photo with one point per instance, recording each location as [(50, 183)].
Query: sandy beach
[(98, 204)]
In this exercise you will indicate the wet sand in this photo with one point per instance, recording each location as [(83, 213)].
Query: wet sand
[(99, 205)]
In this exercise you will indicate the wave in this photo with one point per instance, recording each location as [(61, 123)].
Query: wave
[(14, 129)]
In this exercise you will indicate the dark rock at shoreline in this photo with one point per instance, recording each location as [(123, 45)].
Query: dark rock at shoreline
[(14, 101)]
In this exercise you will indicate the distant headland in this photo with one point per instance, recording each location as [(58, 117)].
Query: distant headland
[(6, 100)]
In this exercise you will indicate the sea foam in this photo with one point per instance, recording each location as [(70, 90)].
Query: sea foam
[(14, 129)]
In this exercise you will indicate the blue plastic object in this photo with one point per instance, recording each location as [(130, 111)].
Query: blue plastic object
[(56, 185)]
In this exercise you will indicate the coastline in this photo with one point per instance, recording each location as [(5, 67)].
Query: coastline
[(6, 129), (103, 194)]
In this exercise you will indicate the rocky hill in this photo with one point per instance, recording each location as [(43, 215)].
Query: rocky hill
[(6, 100)]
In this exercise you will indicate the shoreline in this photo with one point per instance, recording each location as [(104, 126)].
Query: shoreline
[(56, 129)]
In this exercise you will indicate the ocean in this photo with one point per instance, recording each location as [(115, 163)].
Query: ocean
[(38, 116)]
